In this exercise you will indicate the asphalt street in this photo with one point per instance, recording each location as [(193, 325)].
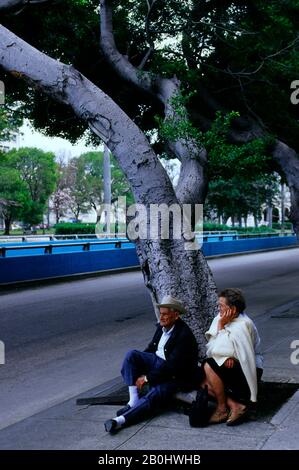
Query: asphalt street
[(67, 338)]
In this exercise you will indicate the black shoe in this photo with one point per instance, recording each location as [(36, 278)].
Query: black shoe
[(123, 410), (110, 426)]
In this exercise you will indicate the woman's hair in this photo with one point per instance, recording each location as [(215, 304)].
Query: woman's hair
[(235, 298)]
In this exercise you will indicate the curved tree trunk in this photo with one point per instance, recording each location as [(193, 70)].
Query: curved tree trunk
[(167, 266)]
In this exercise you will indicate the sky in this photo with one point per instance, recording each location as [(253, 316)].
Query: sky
[(61, 147)]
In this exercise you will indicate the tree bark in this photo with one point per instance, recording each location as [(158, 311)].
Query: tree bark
[(166, 265)]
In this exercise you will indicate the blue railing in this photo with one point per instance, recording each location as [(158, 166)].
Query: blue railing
[(48, 248), (27, 247), (57, 259)]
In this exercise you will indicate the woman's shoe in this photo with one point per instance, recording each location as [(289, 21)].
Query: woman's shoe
[(237, 417), (218, 417)]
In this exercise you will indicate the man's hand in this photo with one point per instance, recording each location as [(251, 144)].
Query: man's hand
[(140, 382), (229, 363)]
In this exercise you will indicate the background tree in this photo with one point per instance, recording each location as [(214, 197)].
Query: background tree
[(76, 183), (90, 168), (60, 200), (37, 171), (237, 199), (10, 121), (13, 194), (241, 178)]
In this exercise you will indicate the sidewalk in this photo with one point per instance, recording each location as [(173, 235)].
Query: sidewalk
[(68, 426)]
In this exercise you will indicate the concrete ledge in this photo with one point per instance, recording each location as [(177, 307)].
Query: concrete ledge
[(286, 410)]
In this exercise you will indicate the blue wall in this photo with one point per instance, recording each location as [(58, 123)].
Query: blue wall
[(45, 266), (25, 268), (247, 244)]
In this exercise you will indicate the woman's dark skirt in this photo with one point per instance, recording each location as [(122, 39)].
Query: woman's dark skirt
[(235, 383)]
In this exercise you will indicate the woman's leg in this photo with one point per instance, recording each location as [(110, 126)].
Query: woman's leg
[(216, 387), (234, 405)]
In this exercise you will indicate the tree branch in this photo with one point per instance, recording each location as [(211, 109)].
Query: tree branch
[(284, 156), (145, 173), (164, 90), (119, 62), (150, 41), (7, 6)]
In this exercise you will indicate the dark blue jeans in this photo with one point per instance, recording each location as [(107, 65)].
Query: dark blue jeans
[(137, 363)]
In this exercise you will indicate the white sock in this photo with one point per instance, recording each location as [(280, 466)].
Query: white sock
[(133, 393), (120, 421)]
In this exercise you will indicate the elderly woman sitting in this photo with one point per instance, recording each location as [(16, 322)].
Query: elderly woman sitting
[(230, 364)]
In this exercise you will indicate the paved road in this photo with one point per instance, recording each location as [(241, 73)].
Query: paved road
[(61, 340)]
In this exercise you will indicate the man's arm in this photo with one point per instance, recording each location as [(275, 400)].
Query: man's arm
[(183, 354)]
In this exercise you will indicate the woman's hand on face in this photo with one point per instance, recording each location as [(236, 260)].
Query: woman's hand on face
[(226, 316)]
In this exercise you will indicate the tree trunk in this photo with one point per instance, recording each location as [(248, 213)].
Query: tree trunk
[(288, 160), (57, 216), (77, 213), (269, 216), (7, 224), (107, 188), (282, 207)]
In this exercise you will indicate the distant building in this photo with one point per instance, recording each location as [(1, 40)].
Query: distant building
[(14, 143)]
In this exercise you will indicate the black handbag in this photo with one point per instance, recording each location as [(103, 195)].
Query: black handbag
[(199, 411)]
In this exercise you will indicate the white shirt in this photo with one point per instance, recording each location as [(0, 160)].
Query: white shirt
[(163, 340)]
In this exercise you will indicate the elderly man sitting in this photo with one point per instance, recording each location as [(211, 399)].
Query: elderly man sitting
[(168, 364)]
